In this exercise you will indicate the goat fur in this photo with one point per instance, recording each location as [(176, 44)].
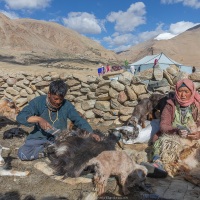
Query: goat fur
[(116, 163), (140, 112), (8, 109), (68, 154)]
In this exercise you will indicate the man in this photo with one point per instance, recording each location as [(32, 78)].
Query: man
[(48, 113)]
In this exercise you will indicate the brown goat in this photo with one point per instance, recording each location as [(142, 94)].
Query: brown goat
[(141, 112), (8, 109), (116, 163)]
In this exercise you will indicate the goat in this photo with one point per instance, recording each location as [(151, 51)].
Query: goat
[(141, 112), (69, 153), (148, 109), (8, 109), (116, 163), (159, 101), (4, 172)]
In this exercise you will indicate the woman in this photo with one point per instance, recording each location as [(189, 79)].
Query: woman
[(177, 117)]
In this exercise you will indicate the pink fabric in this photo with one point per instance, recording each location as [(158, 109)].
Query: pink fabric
[(108, 68), (155, 62), (195, 98)]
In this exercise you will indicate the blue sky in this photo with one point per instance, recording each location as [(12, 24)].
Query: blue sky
[(115, 24)]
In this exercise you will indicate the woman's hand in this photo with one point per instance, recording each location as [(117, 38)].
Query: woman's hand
[(183, 133), (194, 136)]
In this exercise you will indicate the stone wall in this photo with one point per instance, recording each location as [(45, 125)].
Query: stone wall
[(99, 100)]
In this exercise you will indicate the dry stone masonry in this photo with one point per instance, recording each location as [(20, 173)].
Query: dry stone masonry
[(99, 100)]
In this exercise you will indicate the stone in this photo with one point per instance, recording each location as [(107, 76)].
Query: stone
[(102, 90), (42, 84), (11, 81), (108, 116), (126, 78), (130, 93), (102, 105), (89, 104), (98, 112), (72, 82), (103, 97), (11, 91), (126, 110), (89, 114), (91, 95), (139, 89), (179, 76), (92, 79), (130, 103), (115, 104), (104, 82), (85, 85), (122, 97), (30, 97), (117, 86), (23, 93), (70, 97), (157, 73), (93, 87), (113, 93), (85, 90), (124, 118), (80, 99), (21, 102), (114, 112), (77, 87), (145, 75), (195, 76), (80, 78)]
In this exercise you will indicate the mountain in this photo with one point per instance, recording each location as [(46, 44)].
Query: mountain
[(184, 48), (27, 41)]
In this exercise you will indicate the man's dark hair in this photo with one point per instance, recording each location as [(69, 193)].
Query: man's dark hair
[(58, 87)]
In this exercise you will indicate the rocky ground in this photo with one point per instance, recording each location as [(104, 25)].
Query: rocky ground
[(39, 186)]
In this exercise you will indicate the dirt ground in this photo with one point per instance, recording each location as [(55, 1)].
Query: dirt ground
[(39, 186)]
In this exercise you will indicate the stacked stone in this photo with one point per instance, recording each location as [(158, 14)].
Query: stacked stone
[(106, 101)]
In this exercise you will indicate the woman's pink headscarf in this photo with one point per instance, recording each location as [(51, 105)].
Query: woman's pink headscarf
[(195, 98)]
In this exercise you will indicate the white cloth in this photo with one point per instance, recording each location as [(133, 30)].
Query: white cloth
[(132, 68), (145, 134)]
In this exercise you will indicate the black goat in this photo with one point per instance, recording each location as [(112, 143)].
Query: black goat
[(69, 154)]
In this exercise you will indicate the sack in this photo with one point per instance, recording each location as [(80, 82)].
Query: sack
[(145, 134)]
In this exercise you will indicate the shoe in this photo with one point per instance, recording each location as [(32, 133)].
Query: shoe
[(155, 170)]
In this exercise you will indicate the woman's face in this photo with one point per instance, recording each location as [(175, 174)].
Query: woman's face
[(184, 93), (55, 100)]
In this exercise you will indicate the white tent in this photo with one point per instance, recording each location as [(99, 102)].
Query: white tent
[(148, 62)]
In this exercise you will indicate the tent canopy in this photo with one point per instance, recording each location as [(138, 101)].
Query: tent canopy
[(148, 62)]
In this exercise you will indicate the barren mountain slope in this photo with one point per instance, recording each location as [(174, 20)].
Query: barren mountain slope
[(184, 48), (28, 39)]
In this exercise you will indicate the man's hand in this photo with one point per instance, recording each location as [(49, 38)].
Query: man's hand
[(44, 124), (194, 136), (95, 136), (183, 133)]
